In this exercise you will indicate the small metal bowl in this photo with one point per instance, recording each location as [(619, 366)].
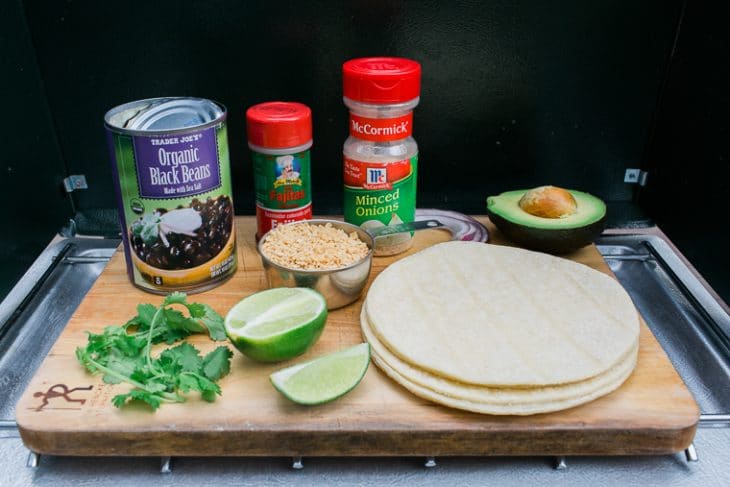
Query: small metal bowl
[(339, 286)]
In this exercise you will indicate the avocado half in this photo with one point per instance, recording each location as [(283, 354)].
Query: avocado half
[(553, 235)]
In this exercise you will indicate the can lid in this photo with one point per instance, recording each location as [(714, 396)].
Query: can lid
[(381, 79), (279, 124), (164, 114)]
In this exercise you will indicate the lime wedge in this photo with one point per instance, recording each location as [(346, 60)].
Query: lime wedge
[(325, 378), (276, 324)]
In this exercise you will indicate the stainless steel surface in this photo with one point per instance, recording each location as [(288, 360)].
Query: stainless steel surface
[(560, 464), (689, 324), (166, 465), (711, 444), (403, 227), (461, 226), (33, 460), (36, 310), (395, 239), (715, 419), (339, 287), (691, 453)]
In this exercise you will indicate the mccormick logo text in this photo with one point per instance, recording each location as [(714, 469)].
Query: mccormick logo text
[(396, 129), (376, 178), (376, 175), (381, 129)]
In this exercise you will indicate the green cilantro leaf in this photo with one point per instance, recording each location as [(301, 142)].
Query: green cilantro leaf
[(123, 366), (171, 336), (124, 353), (209, 395), (145, 313), (175, 298), (153, 400), (187, 356), (217, 363), (177, 321), (208, 389), (187, 383), (214, 323), (196, 310)]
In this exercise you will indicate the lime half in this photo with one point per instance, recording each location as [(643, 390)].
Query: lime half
[(325, 378), (276, 324)]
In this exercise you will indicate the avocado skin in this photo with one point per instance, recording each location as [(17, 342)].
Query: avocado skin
[(558, 241)]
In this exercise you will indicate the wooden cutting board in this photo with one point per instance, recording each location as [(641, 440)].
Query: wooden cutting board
[(65, 411)]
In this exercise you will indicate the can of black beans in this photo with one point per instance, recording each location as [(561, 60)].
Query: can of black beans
[(173, 183)]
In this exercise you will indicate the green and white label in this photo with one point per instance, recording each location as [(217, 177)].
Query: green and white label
[(282, 182), (380, 193)]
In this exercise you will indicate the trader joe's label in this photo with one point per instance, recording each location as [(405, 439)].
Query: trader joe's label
[(175, 166)]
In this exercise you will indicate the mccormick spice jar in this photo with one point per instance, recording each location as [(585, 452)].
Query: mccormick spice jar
[(280, 136), (173, 185), (380, 155)]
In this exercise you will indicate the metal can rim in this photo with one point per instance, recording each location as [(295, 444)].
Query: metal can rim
[(193, 128)]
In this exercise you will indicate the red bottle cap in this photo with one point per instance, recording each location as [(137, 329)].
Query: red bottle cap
[(279, 124), (381, 79)]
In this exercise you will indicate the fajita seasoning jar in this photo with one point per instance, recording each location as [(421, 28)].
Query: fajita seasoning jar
[(280, 136), (173, 184), (380, 155)]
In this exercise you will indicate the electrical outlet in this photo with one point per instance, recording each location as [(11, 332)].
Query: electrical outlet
[(632, 175)]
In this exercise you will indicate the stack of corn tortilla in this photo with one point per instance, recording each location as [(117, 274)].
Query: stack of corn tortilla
[(499, 330)]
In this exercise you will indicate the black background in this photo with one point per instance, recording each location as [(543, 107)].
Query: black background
[(515, 94)]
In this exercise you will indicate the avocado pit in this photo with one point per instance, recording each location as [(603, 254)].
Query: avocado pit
[(548, 202)]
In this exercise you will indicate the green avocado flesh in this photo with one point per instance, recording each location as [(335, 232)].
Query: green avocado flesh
[(589, 210)]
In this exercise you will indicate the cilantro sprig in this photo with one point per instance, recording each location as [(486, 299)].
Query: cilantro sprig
[(124, 353)]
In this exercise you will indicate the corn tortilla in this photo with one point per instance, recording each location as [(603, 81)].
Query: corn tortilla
[(522, 409), (541, 399), (496, 316)]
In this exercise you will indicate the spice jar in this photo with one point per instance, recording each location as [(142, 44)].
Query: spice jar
[(380, 155), (280, 136)]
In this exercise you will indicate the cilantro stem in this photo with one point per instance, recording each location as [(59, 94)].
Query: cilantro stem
[(165, 396), (150, 332)]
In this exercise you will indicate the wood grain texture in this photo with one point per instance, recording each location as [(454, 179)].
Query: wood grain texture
[(652, 413)]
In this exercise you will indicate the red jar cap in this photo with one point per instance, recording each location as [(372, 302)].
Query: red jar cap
[(279, 124), (381, 79)]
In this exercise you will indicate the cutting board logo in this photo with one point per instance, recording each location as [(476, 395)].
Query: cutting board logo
[(60, 391)]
